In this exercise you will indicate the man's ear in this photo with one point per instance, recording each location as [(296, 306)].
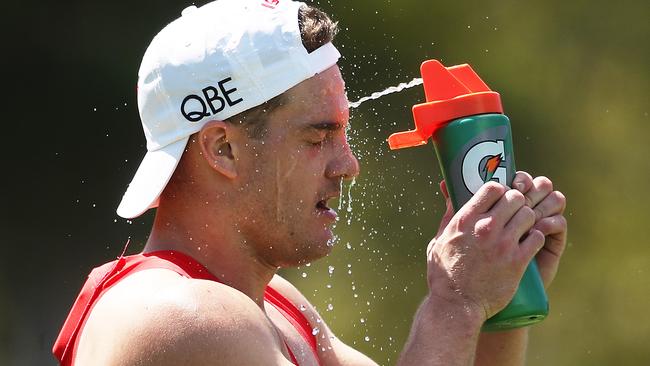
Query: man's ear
[(216, 150)]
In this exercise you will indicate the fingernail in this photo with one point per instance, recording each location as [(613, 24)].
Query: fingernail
[(519, 186)]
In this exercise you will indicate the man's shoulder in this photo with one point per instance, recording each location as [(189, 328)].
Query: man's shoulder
[(293, 294), (158, 317), (287, 289), (331, 349), (155, 290)]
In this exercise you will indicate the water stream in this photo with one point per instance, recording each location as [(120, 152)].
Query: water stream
[(389, 90)]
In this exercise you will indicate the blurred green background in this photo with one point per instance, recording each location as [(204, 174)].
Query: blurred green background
[(573, 77)]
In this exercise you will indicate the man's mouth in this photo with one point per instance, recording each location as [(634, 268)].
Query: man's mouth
[(322, 205), (323, 208)]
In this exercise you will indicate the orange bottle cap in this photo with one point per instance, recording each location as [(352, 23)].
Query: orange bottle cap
[(451, 93)]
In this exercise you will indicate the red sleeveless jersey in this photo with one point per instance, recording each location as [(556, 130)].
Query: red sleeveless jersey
[(104, 277)]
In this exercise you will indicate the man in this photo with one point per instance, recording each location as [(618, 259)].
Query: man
[(245, 113)]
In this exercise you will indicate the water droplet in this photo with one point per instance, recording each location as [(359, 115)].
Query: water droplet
[(315, 331), (304, 275)]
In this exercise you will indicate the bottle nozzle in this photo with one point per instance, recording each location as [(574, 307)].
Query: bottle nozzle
[(451, 93)]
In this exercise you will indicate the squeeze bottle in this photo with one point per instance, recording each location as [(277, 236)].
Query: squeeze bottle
[(473, 142)]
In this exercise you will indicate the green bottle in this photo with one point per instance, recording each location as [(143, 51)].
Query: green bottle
[(473, 142)]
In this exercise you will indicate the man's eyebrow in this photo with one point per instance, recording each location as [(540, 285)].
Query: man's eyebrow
[(327, 126)]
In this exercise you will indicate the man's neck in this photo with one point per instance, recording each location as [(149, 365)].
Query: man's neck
[(220, 251)]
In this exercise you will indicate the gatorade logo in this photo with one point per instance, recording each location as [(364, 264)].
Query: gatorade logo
[(211, 101), (482, 163)]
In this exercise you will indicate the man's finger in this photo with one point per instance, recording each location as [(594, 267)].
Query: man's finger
[(555, 224), (443, 189), (449, 213), (483, 200), (541, 188), (520, 224), (533, 243), (552, 225), (507, 206), (522, 182), (551, 205), (555, 229)]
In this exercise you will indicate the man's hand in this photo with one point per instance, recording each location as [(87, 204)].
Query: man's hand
[(476, 260), (474, 266), (548, 206)]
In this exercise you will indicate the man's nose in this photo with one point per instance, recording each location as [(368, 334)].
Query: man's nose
[(344, 164)]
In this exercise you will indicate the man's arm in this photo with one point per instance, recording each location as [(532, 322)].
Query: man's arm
[(441, 334), (502, 348), (459, 339)]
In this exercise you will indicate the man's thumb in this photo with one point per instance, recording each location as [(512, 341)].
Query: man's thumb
[(450, 209), (443, 189)]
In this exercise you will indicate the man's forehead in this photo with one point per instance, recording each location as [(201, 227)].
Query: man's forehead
[(322, 96), (329, 81)]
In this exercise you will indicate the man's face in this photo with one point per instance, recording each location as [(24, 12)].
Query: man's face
[(289, 176)]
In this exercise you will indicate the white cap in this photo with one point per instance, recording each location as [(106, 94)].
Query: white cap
[(212, 63)]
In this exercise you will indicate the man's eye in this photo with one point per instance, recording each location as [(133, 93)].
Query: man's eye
[(318, 139), (316, 143)]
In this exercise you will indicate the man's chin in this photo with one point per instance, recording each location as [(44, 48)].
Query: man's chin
[(311, 252)]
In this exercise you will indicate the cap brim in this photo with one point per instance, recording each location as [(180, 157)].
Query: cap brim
[(151, 178)]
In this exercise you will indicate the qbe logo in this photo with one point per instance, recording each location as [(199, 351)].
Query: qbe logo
[(196, 107), (483, 163)]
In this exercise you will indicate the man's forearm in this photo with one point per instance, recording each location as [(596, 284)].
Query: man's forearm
[(507, 348), (441, 335)]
